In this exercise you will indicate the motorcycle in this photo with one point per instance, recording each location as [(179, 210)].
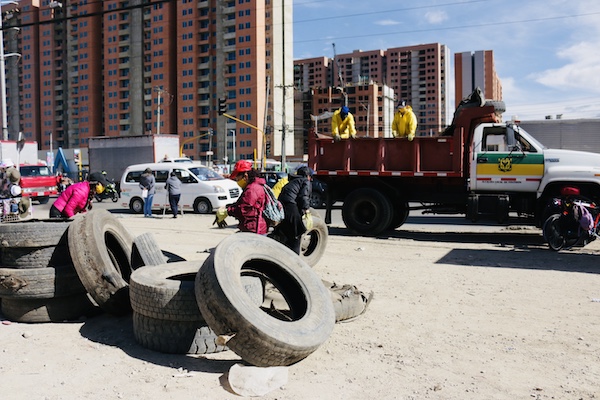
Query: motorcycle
[(110, 192), (575, 221)]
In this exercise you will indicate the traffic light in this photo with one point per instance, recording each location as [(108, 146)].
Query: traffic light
[(268, 148), (222, 106)]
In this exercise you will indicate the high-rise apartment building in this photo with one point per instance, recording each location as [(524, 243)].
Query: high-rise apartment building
[(417, 74), (476, 69), (115, 68)]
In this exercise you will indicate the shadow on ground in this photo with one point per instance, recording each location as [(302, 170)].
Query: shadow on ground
[(115, 331)]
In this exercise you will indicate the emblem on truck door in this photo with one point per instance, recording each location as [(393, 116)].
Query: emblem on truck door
[(505, 164)]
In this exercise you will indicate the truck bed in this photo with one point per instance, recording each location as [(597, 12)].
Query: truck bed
[(424, 156)]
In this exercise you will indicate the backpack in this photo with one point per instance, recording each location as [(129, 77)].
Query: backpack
[(583, 216), (273, 211)]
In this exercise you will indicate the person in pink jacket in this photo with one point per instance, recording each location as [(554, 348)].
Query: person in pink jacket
[(248, 209), (77, 198)]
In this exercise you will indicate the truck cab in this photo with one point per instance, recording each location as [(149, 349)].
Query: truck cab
[(37, 182)]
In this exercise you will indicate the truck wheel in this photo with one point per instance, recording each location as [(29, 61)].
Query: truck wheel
[(43, 199), (202, 206), (400, 216), (367, 212), (260, 338), (314, 242), (100, 247), (136, 205)]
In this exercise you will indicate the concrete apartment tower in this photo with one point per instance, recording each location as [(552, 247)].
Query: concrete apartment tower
[(375, 81), (118, 68), (476, 69)]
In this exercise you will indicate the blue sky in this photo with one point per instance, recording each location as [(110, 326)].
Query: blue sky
[(547, 52)]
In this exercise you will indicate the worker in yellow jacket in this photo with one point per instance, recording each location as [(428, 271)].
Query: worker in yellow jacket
[(342, 124), (405, 122)]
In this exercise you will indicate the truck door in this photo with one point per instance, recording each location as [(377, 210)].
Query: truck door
[(504, 162)]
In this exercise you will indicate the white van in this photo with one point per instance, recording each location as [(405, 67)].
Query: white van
[(202, 189)]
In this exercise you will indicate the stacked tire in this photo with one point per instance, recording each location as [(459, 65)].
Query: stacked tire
[(166, 317), (38, 282)]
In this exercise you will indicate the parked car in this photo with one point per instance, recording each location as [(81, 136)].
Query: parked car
[(202, 190), (317, 198)]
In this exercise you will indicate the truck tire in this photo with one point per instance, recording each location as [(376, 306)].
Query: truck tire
[(175, 337), (33, 232), (166, 291), (401, 212), (146, 251), (499, 105), (260, 338), (136, 205), (202, 206), (56, 309), (43, 199), (100, 247), (367, 212), (314, 242), (39, 283), (26, 257)]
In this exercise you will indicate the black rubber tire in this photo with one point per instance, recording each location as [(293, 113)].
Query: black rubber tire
[(202, 206), (32, 232), (551, 232), (367, 212), (314, 242), (146, 251), (166, 291), (57, 309), (43, 199), (39, 283), (114, 197), (175, 337), (100, 247), (401, 212), (259, 338), (26, 257), (136, 205), (499, 105)]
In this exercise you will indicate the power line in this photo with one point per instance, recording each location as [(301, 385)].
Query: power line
[(485, 25), (330, 17)]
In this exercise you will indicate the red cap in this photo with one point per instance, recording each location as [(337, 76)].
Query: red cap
[(240, 166)]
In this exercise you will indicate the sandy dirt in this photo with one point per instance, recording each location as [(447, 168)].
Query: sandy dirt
[(465, 314)]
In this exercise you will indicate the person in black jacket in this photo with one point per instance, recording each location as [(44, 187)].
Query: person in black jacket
[(295, 197)]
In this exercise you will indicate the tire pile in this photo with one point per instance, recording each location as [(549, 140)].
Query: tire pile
[(251, 295)]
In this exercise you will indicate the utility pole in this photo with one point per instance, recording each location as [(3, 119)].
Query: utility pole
[(159, 90)]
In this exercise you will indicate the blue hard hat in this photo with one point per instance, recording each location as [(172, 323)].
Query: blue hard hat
[(345, 110)]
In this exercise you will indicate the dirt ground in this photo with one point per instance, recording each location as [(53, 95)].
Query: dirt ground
[(462, 314)]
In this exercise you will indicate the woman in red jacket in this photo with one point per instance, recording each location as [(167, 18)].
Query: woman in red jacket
[(77, 198), (248, 209)]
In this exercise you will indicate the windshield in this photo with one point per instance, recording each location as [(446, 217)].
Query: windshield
[(206, 174), (531, 139), (34, 170)]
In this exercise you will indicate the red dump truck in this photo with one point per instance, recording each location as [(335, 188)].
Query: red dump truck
[(479, 166)]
